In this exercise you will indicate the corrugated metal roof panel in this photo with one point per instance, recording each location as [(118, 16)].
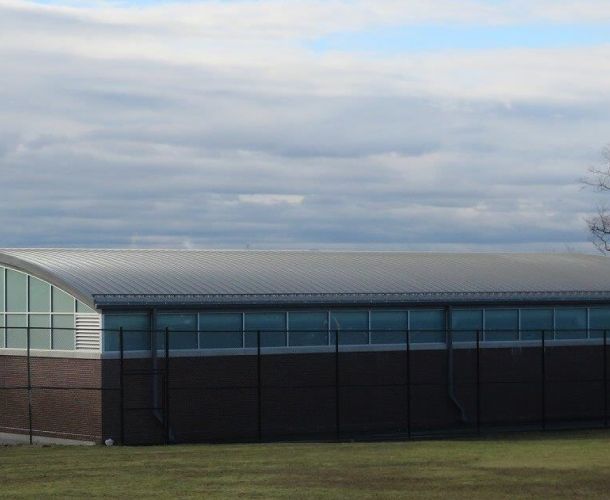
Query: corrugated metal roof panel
[(250, 276)]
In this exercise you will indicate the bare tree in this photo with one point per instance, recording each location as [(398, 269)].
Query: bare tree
[(599, 224)]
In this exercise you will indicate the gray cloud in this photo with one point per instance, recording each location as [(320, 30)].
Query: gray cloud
[(100, 148)]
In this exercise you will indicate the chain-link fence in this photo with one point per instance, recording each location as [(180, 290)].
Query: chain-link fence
[(46, 393), (473, 382)]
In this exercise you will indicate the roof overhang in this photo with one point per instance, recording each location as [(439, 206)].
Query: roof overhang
[(345, 299)]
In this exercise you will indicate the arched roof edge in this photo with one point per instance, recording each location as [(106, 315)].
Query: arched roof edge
[(44, 274)]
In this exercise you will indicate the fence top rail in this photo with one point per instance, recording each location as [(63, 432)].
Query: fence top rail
[(311, 330)]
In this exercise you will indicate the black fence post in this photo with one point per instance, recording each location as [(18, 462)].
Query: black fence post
[(408, 381), (478, 381), (29, 367), (167, 389), (605, 378), (337, 391), (259, 389), (122, 385), (543, 380)]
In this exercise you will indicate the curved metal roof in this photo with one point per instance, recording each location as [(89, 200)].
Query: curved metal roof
[(177, 277)]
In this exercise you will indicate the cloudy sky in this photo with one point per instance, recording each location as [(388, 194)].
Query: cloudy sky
[(386, 124)]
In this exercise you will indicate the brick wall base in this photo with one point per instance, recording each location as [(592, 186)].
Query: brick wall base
[(288, 396), (219, 398), (66, 398)]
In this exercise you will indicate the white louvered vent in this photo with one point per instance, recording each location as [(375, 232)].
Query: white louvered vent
[(88, 330)]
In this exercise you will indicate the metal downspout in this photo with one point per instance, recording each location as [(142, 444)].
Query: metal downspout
[(450, 374), (155, 366)]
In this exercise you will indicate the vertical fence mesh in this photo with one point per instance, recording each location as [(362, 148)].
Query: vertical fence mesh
[(340, 390)]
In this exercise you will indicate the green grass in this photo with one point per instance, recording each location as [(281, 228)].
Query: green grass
[(560, 465)]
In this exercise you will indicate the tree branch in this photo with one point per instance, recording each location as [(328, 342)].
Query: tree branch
[(599, 226), (599, 177)]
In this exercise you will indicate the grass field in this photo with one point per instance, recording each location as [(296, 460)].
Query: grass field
[(561, 465)]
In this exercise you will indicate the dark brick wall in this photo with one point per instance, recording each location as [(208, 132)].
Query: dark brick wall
[(217, 398), (141, 423), (66, 397)]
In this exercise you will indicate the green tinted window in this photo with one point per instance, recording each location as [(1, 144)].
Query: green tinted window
[(599, 321), (272, 327), (501, 324), (40, 334), (465, 323), (220, 330), (308, 328), (2, 271), (570, 323), (16, 291), (83, 308), (136, 331), (16, 331), (62, 302), (182, 330), (534, 322), (352, 326), (40, 295), (427, 325), (62, 336), (388, 327), (2, 332)]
